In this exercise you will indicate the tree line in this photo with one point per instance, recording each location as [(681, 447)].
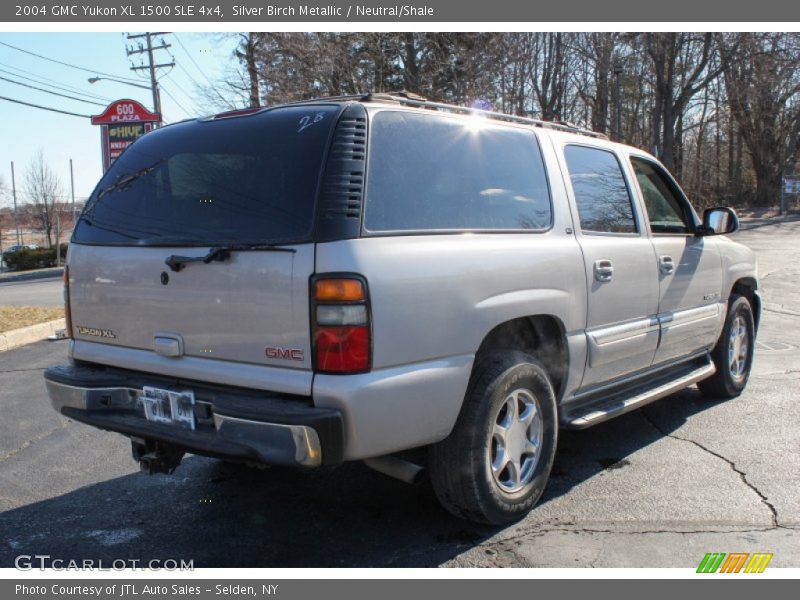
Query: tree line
[(720, 110)]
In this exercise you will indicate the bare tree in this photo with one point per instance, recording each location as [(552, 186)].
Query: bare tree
[(596, 51), (762, 79), (681, 68), (42, 189), (247, 52)]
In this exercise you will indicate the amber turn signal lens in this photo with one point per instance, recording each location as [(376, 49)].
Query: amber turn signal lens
[(339, 290)]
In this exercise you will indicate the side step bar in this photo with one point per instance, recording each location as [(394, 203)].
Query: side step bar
[(620, 404)]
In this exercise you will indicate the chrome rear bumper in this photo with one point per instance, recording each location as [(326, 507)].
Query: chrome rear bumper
[(250, 427)]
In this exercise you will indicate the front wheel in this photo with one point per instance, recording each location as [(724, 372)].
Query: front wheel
[(494, 465), (733, 354)]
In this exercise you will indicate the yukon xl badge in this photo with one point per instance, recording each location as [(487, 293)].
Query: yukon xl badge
[(93, 331), (284, 353)]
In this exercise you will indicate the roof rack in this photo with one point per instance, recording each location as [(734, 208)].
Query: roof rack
[(410, 99)]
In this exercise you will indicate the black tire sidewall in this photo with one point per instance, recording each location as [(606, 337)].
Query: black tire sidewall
[(523, 372), (739, 307)]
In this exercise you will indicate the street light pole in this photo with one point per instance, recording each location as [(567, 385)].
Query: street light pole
[(96, 79), (14, 195)]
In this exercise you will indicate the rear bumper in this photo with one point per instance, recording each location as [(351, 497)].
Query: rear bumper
[(231, 423)]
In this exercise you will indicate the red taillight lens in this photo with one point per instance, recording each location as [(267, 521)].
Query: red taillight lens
[(67, 308), (342, 349), (341, 324)]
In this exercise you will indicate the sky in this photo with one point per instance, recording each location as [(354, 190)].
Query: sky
[(200, 58)]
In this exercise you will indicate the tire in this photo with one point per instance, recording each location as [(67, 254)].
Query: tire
[(737, 340), (461, 466)]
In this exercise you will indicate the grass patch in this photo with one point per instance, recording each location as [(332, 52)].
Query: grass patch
[(14, 317)]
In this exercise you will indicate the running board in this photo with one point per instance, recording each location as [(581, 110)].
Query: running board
[(618, 405)]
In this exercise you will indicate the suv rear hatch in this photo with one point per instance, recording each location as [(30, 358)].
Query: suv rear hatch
[(181, 191)]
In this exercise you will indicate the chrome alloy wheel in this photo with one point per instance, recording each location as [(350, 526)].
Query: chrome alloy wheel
[(516, 439), (738, 347)]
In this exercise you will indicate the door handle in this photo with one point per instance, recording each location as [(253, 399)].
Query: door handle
[(666, 264), (603, 270)]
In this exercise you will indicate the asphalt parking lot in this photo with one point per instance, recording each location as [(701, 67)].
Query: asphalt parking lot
[(656, 488)]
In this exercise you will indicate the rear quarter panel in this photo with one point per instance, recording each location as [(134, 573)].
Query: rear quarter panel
[(434, 299)]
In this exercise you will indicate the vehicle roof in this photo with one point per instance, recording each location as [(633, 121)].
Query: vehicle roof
[(560, 130), (413, 101)]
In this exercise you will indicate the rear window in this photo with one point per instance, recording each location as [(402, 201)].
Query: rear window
[(238, 180), (443, 173)]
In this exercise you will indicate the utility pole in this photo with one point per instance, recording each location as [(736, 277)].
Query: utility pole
[(149, 49), (58, 232), (14, 195), (72, 193)]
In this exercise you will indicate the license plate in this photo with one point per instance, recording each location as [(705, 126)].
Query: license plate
[(168, 406)]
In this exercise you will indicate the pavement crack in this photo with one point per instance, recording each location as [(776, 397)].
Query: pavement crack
[(30, 442), (23, 370), (742, 475)]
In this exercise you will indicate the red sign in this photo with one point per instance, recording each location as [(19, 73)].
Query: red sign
[(122, 123), (125, 111)]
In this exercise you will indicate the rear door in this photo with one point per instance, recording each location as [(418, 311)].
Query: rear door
[(182, 190), (621, 323), (690, 307)]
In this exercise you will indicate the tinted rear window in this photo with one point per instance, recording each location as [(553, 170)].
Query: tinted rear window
[(443, 173), (245, 179)]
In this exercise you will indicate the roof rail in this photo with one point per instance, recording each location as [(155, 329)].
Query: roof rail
[(411, 99)]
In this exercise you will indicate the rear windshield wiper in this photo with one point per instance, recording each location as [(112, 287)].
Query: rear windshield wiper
[(222, 253), (125, 180)]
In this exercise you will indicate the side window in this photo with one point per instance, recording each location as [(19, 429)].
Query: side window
[(604, 203), (431, 172), (666, 211)]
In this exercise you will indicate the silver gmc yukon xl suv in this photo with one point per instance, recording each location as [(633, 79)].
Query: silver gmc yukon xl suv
[(387, 279)]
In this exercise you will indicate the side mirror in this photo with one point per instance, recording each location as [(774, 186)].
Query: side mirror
[(719, 220)]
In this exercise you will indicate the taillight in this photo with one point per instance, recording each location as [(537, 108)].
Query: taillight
[(67, 308), (340, 324)]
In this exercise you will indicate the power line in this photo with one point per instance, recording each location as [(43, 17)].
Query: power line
[(166, 91), (202, 72), (191, 58), (66, 64), (33, 87), (63, 112), (180, 88), (42, 80)]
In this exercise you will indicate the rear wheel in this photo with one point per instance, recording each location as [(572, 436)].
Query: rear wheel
[(494, 465), (733, 354)]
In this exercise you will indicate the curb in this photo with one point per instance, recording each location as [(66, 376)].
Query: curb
[(27, 335), (28, 276)]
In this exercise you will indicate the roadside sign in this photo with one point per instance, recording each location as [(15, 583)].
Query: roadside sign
[(121, 124)]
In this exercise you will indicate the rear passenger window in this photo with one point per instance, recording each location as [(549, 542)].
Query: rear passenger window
[(604, 203), (433, 172)]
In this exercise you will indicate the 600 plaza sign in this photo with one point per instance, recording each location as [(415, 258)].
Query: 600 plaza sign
[(122, 123)]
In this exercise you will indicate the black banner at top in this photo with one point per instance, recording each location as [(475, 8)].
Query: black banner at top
[(264, 12)]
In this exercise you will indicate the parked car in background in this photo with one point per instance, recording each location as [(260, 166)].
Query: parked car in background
[(387, 279), (13, 250)]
